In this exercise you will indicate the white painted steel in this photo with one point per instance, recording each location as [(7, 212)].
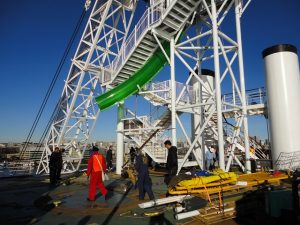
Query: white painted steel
[(163, 201), (218, 86), (181, 216), (283, 92), (196, 118), (179, 209), (238, 14), (99, 64), (173, 92), (77, 112), (120, 139)]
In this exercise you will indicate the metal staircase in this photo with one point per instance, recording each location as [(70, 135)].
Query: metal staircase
[(256, 149), (148, 135), (165, 18), (158, 93)]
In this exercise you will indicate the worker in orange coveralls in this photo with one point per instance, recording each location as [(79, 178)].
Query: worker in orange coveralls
[(95, 166)]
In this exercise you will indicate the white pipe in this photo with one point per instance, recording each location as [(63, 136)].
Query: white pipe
[(196, 117), (218, 86), (173, 92), (120, 139), (185, 215), (179, 209), (238, 8), (163, 201)]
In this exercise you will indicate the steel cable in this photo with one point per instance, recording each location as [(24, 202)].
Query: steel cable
[(49, 91)]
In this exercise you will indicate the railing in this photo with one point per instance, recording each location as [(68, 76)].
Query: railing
[(253, 97), (255, 148), (288, 161), (163, 90), (17, 168), (150, 16)]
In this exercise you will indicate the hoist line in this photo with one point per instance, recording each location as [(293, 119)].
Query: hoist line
[(52, 84)]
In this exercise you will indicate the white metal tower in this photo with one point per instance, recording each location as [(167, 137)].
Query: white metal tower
[(104, 34), (107, 56)]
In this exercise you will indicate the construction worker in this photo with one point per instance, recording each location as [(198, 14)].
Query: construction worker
[(109, 158), (96, 165), (144, 181), (210, 157), (132, 154), (55, 165), (172, 161)]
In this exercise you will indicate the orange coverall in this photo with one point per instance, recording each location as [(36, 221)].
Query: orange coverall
[(94, 171)]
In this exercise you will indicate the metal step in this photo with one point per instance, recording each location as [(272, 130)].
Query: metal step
[(180, 10), (172, 24), (145, 47), (142, 52), (149, 43), (176, 16), (134, 59), (125, 71), (185, 5), (130, 68), (136, 65)]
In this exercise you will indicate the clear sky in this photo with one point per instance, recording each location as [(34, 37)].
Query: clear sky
[(34, 34)]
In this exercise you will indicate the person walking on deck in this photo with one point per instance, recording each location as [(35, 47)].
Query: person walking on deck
[(96, 165), (144, 181), (172, 161), (109, 158), (55, 165)]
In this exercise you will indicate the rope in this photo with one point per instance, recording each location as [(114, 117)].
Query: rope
[(51, 86)]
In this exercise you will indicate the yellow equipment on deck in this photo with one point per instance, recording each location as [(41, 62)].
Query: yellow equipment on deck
[(225, 182)]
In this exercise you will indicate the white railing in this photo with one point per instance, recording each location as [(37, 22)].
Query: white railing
[(17, 168), (288, 161), (253, 97), (150, 17), (255, 148), (163, 90)]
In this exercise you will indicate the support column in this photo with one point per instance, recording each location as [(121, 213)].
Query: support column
[(173, 92), (196, 119), (238, 8), (120, 139), (283, 94), (218, 85)]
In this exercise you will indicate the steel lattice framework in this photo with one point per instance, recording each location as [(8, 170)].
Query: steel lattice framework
[(76, 115), (193, 29), (198, 42), (210, 42)]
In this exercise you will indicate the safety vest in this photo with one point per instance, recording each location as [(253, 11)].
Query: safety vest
[(97, 163)]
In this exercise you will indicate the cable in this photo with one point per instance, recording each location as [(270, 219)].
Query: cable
[(51, 86), (51, 120)]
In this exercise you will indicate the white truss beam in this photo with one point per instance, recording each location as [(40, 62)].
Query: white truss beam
[(103, 35)]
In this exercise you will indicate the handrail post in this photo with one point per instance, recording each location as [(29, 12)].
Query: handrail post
[(135, 35), (148, 19)]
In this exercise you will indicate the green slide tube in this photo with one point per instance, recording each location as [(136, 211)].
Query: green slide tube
[(136, 81)]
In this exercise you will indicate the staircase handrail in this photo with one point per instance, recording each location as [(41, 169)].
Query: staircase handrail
[(151, 16)]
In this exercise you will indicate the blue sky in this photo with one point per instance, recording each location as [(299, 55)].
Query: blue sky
[(34, 34)]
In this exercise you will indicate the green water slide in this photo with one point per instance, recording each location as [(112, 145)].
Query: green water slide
[(136, 81)]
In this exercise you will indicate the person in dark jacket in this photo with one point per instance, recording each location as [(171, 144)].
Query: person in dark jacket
[(55, 165), (132, 154), (144, 181), (109, 158), (172, 162)]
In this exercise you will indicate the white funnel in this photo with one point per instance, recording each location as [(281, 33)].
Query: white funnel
[(283, 92)]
